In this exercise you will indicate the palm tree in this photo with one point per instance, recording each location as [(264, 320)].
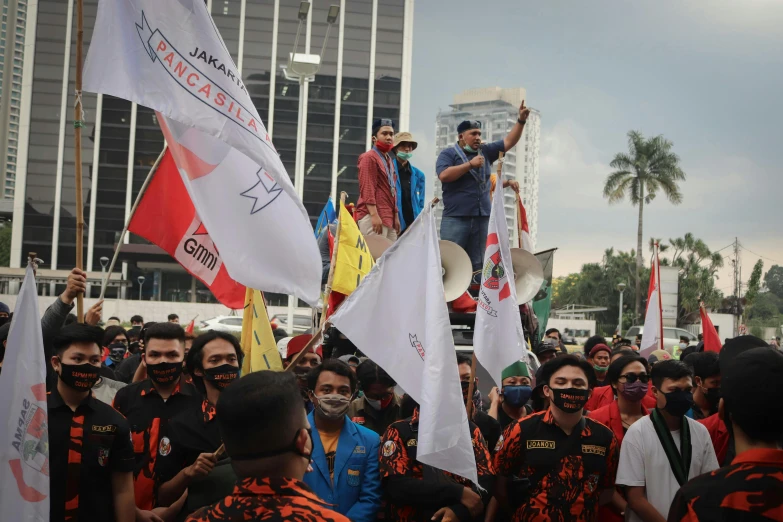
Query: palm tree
[(649, 166)]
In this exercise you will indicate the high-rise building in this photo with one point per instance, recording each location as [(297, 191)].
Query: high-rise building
[(365, 75), (12, 39), (498, 110)]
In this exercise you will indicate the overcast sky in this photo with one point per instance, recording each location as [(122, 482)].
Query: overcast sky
[(707, 74)]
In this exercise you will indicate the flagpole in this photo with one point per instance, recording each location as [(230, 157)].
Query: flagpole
[(130, 217), (471, 386), (333, 261), (78, 123), (660, 300)]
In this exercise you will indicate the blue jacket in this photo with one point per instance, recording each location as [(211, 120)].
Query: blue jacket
[(356, 492), (417, 193)]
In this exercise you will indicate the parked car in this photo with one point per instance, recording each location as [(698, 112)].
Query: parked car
[(223, 323), (302, 323), (671, 336)]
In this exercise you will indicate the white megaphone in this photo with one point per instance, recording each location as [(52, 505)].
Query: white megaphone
[(528, 274), (456, 268), (377, 245)]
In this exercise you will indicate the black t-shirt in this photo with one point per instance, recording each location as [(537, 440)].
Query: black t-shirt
[(405, 183), (504, 420), (85, 448), (489, 428), (126, 369)]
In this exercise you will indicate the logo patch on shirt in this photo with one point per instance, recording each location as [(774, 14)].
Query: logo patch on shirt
[(412, 442), (389, 447), (360, 449), (592, 482), (354, 477), (111, 428), (541, 444), (499, 445), (103, 457), (164, 448), (358, 420), (594, 450)]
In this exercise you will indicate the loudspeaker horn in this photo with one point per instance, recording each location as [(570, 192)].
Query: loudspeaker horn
[(456, 268), (528, 274), (377, 245)]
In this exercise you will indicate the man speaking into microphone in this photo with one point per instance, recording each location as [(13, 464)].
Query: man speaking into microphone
[(464, 170)]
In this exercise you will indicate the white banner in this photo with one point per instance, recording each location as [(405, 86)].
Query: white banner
[(398, 317)]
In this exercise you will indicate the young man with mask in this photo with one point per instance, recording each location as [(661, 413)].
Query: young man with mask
[(305, 363), (600, 356), (751, 488), (91, 458), (465, 170), (345, 455), (410, 180), (510, 403), (379, 407), (268, 438), (665, 449), (150, 404), (569, 461), (706, 380), (213, 362), (490, 428), (376, 210)]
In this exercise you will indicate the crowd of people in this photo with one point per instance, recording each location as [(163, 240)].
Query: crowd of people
[(150, 424)]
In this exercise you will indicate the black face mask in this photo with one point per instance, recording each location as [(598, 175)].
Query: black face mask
[(291, 448), (713, 398), (117, 351), (221, 376), (678, 403), (164, 373), (80, 377), (569, 400)]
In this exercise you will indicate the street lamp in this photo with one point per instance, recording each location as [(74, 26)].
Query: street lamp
[(621, 289), (140, 279)]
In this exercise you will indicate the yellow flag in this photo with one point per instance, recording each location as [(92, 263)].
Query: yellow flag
[(354, 260), (258, 343)]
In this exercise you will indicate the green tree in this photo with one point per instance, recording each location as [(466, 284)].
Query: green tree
[(647, 167), (774, 280), (5, 245), (753, 283)]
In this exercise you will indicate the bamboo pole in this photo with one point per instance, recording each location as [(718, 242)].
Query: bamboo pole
[(328, 290), (78, 123), (127, 222)]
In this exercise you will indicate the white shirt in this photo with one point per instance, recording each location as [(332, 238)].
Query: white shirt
[(644, 463)]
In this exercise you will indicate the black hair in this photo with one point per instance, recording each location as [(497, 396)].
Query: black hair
[(463, 358), (553, 366), (553, 330), (704, 364), (591, 342), (685, 338), (163, 331), (137, 319), (334, 366), (115, 318), (622, 349), (173, 316), (193, 360), (70, 319), (111, 332), (77, 333), (133, 333), (407, 405), (370, 373), (262, 411), (670, 369), (616, 368)]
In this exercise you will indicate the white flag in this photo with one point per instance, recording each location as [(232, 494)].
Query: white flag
[(24, 426), (169, 56), (498, 339), (652, 335), (398, 317)]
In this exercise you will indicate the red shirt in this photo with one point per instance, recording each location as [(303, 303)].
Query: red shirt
[(375, 189), (719, 435)]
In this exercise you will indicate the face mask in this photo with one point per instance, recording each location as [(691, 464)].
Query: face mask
[(378, 405), (164, 373), (291, 448), (600, 369), (221, 376), (80, 377), (117, 351), (383, 146), (569, 400), (713, 397), (517, 396), (333, 406), (634, 391), (476, 394), (405, 156), (470, 149), (678, 403)]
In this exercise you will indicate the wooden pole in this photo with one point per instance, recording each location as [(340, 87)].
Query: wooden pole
[(127, 222), (78, 123), (469, 405), (328, 290)]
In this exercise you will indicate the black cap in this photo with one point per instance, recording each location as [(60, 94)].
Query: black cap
[(545, 346), (381, 122), (468, 125)]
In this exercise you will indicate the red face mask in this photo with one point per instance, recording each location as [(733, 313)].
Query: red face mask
[(383, 146)]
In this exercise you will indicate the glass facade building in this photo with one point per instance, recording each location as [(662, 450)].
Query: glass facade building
[(12, 36), (365, 74)]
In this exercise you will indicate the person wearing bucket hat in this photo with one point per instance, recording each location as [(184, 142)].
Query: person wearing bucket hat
[(410, 180)]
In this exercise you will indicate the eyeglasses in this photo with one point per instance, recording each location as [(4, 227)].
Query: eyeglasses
[(633, 377)]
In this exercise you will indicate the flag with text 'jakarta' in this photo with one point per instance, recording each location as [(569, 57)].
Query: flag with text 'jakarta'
[(166, 217), (170, 57), (399, 319), (498, 338), (24, 426)]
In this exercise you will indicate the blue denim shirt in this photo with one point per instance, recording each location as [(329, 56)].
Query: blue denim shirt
[(464, 197)]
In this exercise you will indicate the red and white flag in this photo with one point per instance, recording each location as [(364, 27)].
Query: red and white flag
[(652, 335), (498, 338), (525, 243), (166, 216), (169, 56), (710, 334), (24, 426)]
